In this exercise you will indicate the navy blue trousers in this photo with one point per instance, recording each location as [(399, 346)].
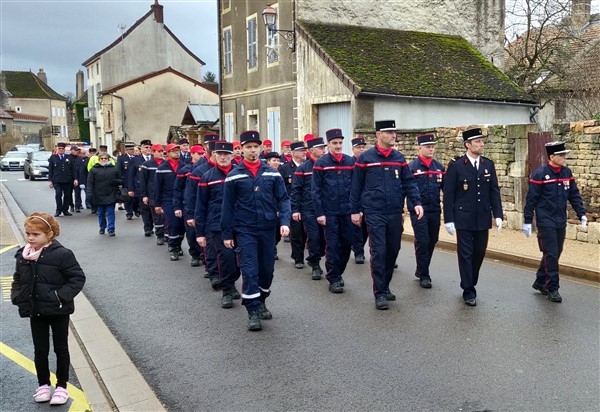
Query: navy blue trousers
[(297, 241), (426, 232), (210, 255), (360, 238), (315, 238), (63, 196), (227, 268), (339, 233), (550, 241), (470, 247), (385, 233), (174, 229), (194, 248), (257, 263)]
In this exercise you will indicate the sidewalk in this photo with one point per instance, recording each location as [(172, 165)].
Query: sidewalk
[(107, 376)]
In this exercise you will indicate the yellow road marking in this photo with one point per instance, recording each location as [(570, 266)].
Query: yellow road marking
[(5, 284), (7, 248), (79, 404)]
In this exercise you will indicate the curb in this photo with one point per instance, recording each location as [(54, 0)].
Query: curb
[(520, 260), (108, 377)]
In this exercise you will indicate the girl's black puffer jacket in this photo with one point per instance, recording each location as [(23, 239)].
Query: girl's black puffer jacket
[(47, 286)]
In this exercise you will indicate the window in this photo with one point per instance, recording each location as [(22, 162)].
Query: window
[(226, 6), (273, 125), (56, 130), (253, 120), (229, 127), (272, 46), (227, 60), (53, 111), (251, 40), (2, 128)]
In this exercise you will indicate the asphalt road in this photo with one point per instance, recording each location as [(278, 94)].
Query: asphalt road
[(514, 351)]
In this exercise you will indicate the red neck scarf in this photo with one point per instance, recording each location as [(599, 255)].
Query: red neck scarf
[(426, 161), (555, 168), (225, 169), (252, 167), (211, 163), (173, 163), (287, 158), (385, 152), (158, 160), (337, 158)]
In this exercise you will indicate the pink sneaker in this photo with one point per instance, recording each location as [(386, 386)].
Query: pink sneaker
[(42, 394), (60, 397)]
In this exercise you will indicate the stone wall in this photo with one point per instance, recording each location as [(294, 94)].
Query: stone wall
[(507, 146)]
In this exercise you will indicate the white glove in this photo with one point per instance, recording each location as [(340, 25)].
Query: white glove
[(499, 224), (450, 228), (82, 186), (583, 222), (527, 229)]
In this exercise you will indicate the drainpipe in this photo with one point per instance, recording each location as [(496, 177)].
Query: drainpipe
[(122, 115)]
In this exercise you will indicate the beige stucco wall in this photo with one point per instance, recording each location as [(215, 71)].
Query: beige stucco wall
[(151, 107), (480, 22), (42, 107)]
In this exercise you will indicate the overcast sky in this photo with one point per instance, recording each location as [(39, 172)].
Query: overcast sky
[(59, 35)]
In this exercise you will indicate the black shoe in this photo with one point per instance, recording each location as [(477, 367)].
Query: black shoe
[(417, 274), (180, 252), (263, 312), (227, 300), (148, 233), (381, 303), (359, 260), (215, 283), (111, 233), (554, 296), (286, 239), (72, 209), (174, 255), (299, 265), (471, 302), (160, 241), (254, 321), (67, 214), (94, 211), (390, 296), (336, 287), (129, 217), (206, 275), (57, 214), (136, 213), (276, 257), (77, 210), (101, 231), (395, 266), (121, 208), (342, 281), (236, 293), (540, 286), (425, 283), (317, 272), (195, 262)]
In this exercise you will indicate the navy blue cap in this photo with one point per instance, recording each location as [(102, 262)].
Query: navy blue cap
[(385, 126), (555, 148), (316, 142), (271, 155), (222, 147), (358, 141), (425, 139), (334, 134), (297, 146), (211, 137), (471, 134), (250, 136)]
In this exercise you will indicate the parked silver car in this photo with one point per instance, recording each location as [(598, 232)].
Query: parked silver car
[(13, 160), (36, 165)]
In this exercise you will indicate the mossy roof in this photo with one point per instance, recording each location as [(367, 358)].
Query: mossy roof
[(410, 63), (28, 85)]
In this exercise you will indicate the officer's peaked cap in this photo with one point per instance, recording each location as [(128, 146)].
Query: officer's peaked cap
[(250, 136), (555, 148)]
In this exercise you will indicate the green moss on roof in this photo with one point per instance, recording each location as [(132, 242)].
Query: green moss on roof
[(409, 63), (28, 85)]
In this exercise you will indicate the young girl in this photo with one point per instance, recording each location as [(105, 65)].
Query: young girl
[(47, 278)]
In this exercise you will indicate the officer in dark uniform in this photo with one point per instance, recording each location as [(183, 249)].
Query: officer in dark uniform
[(550, 188), (429, 174), (124, 161), (360, 232), (297, 233), (133, 186), (77, 159), (184, 146), (208, 221), (303, 209), (148, 193), (62, 174), (471, 197), (331, 182), (381, 181), (253, 195)]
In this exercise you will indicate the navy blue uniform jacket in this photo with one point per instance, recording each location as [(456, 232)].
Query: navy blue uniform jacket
[(164, 182), (380, 183), (134, 174), (148, 170), (252, 203), (301, 188), (209, 201), (331, 182), (471, 196), (430, 181), (548, 195), (62, 171)]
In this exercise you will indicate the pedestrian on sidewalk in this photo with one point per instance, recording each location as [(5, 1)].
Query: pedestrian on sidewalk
[(471, 197), (46, 280), (102, 185), (429, 174), (252, 196), (550, 187)]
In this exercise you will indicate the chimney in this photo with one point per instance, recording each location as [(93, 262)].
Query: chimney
[(158, 12), (580, 13), (78, 84), (42, 76)]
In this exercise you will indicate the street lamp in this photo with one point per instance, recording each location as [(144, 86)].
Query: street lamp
[(270, 19)]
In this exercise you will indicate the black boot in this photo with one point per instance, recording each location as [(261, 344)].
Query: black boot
[(263, 312), (195, 262), (317, 272), (254, 321), (227, 299), (174, 255)]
